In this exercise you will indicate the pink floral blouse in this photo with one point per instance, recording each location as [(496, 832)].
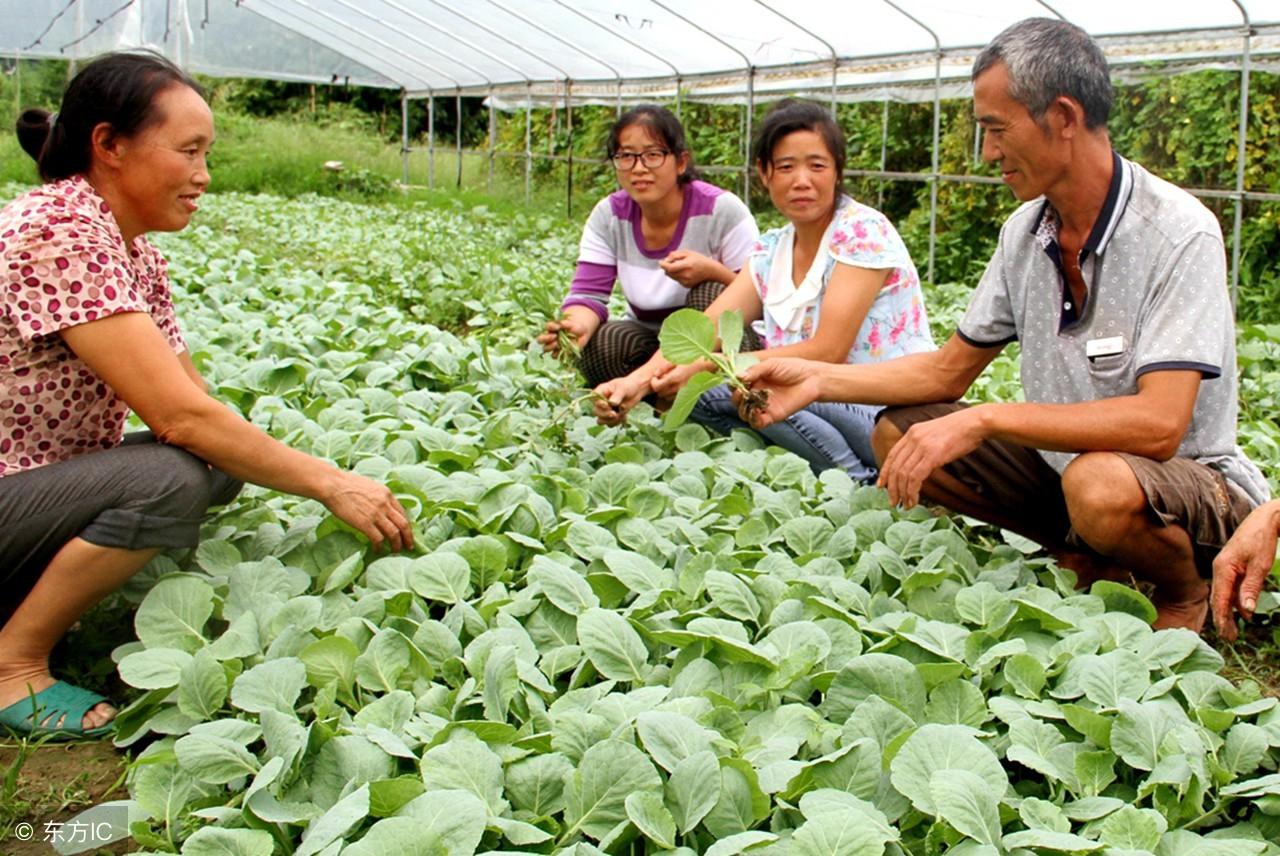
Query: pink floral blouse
[(896, 324), (63, 262)]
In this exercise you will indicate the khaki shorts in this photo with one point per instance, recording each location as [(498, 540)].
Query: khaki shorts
[(1018, 485)]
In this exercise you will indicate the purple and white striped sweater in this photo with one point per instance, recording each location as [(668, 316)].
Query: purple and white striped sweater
[(713, 222)]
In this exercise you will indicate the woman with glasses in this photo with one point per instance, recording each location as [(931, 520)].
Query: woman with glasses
[(668, 238)]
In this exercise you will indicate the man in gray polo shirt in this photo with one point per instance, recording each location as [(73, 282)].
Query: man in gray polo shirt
[(1123, 459)]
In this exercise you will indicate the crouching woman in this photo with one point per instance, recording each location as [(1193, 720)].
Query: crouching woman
[(88, 333)]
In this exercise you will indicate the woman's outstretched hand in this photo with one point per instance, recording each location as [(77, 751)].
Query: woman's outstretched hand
[(371, 508), (614, 398)]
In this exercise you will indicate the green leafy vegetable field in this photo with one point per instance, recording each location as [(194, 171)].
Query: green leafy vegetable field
[(622, 640)]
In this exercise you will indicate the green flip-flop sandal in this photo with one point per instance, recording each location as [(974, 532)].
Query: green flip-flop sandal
[(37, 715)]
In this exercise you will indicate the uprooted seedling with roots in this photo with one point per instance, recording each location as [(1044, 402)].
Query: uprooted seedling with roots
[(688, 336), (569, 351), (754, 401)]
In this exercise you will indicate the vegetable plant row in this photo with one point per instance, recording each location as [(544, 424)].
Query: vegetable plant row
[(621, 639)]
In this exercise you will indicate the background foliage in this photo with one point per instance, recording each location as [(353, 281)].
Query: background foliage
[(1182, 128)]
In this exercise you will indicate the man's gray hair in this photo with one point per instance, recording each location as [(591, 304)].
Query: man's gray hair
[(1047, 58)]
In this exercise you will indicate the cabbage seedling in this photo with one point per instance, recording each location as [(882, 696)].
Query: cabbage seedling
[(688, 336)]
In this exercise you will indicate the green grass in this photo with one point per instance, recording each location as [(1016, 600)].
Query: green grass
[(286, 157), (15, 166)]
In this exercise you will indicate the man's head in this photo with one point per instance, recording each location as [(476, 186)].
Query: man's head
[(1040, 92), (1048, 59)]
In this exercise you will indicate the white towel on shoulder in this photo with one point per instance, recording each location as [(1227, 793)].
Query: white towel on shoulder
[(786, 301)]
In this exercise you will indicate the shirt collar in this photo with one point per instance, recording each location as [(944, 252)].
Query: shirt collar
[(1047, 223)]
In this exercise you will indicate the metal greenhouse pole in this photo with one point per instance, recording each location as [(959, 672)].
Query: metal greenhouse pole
[(404, 137), (568, 118), (835, 57), (568, 82), (746, 140), (493, 131), (528, 141), (341, 37), (751, 97), (457, 132), (528, 117), (1242, 134), (447, 33), (937, 130), (884, 147), (937, 140)]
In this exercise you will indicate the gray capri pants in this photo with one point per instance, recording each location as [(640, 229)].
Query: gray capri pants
[(141, 494)]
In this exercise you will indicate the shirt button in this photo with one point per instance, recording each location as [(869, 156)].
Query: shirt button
[(1066, 306)]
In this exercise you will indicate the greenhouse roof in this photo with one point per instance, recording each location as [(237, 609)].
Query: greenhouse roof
[(604, 50)]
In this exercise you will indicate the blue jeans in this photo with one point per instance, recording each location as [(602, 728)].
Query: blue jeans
[(825, 434)]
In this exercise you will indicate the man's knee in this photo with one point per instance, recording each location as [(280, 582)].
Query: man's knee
[(884, 436), (1104, 499)]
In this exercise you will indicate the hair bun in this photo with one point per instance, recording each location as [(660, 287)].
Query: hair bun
[(33, 131)]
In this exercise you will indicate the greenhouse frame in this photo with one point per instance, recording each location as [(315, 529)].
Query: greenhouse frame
[(526, 54)]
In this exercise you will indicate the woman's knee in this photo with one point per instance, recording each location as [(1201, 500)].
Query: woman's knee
[(703, 295), (175, 483), (616, 349)]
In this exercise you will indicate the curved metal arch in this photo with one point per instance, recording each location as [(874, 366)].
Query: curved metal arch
[(1242, 135), (415, 16), (835, 57), (675, 72), (1056, 13), (100, 21), (357, 50), (427, 45), (617, 75), (500, 37), (751, 94), (937, 128)]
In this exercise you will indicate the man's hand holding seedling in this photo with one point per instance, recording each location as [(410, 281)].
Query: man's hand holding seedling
[(789, 384)]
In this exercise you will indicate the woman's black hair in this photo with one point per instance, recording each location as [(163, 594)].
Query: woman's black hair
[(118, 89), (790, 115), (663, 124)]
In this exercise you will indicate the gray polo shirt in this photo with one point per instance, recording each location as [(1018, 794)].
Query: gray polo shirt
[(1155, 275)]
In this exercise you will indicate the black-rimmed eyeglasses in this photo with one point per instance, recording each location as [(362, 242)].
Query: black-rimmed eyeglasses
[(651, 158)]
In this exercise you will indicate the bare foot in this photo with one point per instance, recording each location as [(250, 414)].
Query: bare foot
[(18, 682), (1189, 614)]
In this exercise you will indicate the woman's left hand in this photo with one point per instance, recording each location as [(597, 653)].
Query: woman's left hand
[(689, 268)]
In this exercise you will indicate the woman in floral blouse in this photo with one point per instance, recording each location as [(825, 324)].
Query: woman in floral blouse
[(835, 284), (87, 334)]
